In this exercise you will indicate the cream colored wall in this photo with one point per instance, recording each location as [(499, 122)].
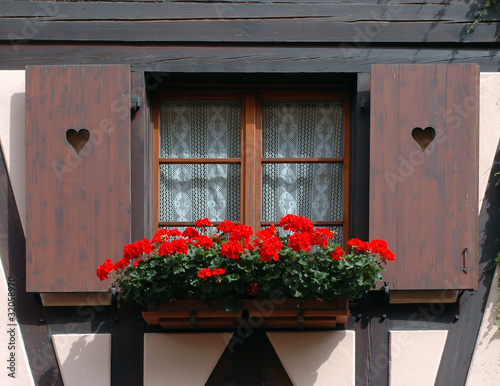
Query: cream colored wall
[(12, 132), (484, 369), (12, 141)]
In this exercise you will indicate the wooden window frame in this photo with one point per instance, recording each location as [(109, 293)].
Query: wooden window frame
[(251, 160)]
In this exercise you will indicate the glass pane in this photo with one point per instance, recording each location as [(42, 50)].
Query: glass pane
[(200, 130), (193, 191), (302, 129), (311, 190)]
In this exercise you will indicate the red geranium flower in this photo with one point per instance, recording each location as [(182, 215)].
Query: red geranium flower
[(357, 245), (190, 232), (104, 269), (337, 254), (203, 222), (160, 235), (231, 250), (226, 226), (300, 242), (166, 249), (296, 223), (203, 241)]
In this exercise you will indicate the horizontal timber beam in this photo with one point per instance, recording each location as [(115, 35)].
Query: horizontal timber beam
[(241, 58)]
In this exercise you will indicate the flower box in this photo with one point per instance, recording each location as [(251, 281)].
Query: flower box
[(279, 313), (297, 267)]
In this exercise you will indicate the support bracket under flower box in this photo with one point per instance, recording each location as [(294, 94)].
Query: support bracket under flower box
[(279, 313)]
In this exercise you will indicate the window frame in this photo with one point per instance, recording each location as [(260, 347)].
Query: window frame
[(251, 160)]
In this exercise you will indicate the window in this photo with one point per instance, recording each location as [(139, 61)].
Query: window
[(252, 157)]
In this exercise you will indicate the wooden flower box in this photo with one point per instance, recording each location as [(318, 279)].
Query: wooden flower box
[(258, 313)]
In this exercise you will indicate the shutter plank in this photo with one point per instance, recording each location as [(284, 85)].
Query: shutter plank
[(78, 205), (424, 204)]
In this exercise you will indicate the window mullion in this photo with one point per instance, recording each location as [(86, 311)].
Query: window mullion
[(251, 155)]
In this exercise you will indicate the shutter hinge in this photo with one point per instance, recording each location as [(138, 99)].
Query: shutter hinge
[(135, 100), (365, 103)]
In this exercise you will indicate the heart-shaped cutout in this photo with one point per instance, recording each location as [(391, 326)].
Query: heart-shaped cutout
[(423, 137), (77, 139)]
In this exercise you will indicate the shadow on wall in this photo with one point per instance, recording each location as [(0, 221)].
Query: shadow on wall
[(312, 358), (84, 359), (489, 226), (17, 151)]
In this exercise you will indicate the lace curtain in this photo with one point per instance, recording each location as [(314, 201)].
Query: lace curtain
[(303, 129), (200, 130)]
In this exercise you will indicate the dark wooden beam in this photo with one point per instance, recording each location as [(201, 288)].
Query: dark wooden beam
[(360, 150), (219, 21), (29, 311), (348, 58)]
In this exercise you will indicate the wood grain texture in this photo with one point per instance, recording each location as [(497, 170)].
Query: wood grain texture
[(296, 21), (77, 205), (223, 58), (424, 204)]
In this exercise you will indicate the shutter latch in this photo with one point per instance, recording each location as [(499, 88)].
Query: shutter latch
[(465, 253)]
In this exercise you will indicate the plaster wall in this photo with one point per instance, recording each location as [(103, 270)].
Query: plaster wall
[(12, 142)]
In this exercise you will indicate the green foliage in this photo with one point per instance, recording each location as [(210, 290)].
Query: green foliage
[(296, 274), (480, 14)]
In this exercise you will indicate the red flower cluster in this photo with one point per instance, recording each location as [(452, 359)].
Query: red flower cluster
[(231, 250), (104, 269), (337, 254), (295, 223), (226, 226), (380, 247), (234, 240), (269, 244), (203, 222), (305, 236), (133, 251), (207, 272), (375, 246)]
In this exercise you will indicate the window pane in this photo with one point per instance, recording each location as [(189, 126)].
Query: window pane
[(200, 130), (311, 190), (192, 191), (302, 129)]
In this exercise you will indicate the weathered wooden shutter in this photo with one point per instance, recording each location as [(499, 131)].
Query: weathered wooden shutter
[(77, 174), (424, 173)]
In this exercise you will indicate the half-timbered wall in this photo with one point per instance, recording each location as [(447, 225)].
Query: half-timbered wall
[(325, 41)]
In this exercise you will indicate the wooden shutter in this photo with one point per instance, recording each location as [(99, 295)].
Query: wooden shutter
[(77, 198), (423, 200)]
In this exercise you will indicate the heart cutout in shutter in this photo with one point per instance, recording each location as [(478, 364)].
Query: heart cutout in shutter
[(423, 137), (77, 139)]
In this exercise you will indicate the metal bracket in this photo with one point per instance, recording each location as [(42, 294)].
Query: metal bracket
[(135, 99), (365, 103), (386, 291), (300, 319), (194, 322)]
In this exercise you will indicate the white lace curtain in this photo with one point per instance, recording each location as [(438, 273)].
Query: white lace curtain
[(200, 130)]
